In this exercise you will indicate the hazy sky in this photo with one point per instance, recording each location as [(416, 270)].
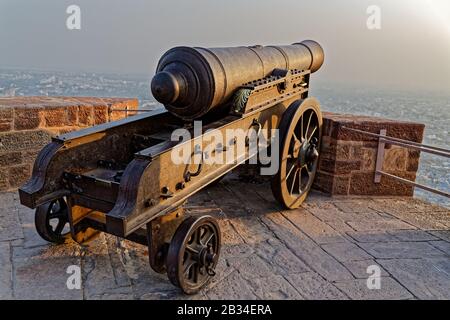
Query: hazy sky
[(412, 49)]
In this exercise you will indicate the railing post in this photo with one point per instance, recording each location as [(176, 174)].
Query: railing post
[(380, 156)]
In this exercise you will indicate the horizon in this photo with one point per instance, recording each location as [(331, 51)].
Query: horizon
[(317, 82)]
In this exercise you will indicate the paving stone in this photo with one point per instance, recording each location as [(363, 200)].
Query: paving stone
[(251, 267), (313, 287), (7, 200), (10, 228), (274, 287), (233, 287), (394, 205), (386, 215), (202, 204), (199, 199), (5, 271), (31, 237), (151, 283), (238, 250), (113, 296), (223, 269), (41, 273), (317, 230), (328, 212), (372, 236), (342, 227), (325, 211), (422, 206), (359, 268), (355, 206), (206, 210), (441, 234), (98, 273), (421, 221), (390, 290), (226, 201), (442, 265), (442, 217), (116, 250), (231, 211), (306, 250), (397, 250), (172, 295), (317, 197), (280, 259), (69, 249), (346, 252), (251, 230), (136, 265), (16, 243), (444, 246), (380, 224), (249, 202), (412, 235), (229, 234), (416, 213), (360, 218), (425, 278)]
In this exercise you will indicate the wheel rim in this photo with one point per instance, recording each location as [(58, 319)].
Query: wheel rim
[(51, 220), (193, 253), (300, 132)]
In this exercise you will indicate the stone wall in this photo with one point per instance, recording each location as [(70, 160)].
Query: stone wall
[(347, 160), (28, 123)]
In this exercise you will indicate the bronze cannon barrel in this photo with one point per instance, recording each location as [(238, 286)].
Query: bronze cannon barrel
[(191, 81)]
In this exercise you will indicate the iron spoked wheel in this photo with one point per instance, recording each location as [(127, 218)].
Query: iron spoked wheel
[(51, 220), (300, 132), (193, 253)]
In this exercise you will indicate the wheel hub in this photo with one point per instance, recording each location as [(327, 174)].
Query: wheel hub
[(308, 153), (206, 257), (303, 158)]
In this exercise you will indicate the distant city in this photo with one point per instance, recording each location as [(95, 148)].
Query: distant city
[(42, 83)]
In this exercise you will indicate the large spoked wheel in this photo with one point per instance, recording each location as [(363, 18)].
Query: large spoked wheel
[(51, 221), (193, 253), (300, 132)]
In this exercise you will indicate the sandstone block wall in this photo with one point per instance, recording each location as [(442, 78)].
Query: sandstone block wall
[(28, 123), (347, 159)]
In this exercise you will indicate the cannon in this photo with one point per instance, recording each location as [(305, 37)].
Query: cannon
[(191, 82), (121, 177)]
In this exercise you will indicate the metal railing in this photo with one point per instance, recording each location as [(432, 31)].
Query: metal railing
[(383, 140)]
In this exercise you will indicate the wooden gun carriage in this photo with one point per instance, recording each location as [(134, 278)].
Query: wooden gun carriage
[(120, 177)]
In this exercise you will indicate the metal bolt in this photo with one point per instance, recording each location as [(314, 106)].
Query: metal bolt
[(180, 185)]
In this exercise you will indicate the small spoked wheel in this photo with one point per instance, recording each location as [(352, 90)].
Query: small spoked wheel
[(51, 221), (300, 132), (193, 253)]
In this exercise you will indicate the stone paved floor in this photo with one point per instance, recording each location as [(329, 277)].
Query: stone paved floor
[(320, 251)]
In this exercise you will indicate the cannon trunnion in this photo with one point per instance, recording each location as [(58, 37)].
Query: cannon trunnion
[(121, 177)]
